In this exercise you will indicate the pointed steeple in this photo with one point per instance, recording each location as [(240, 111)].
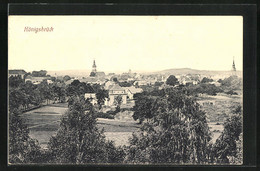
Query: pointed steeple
[(233, 66), (94, 67)]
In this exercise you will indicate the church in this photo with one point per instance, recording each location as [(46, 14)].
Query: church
[(94, 72)]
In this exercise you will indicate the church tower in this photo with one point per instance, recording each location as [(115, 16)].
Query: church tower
[(94, 67), (233, 67), (94, 70)]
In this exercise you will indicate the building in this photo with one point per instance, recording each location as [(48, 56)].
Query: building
[(17, 72), (233, 72), (131, 91), (37, 80), (92, 98), (113, 92), (94, 72)]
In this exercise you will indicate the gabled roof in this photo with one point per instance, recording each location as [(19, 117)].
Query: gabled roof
[(17, 71), (133, 90), (115, 87)]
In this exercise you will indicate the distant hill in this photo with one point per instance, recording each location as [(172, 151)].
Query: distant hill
[(72, 73), (181, 71)]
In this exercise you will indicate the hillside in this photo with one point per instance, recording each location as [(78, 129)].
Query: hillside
[(181, 71)]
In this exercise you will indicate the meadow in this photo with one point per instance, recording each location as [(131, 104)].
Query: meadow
[(44, 122)]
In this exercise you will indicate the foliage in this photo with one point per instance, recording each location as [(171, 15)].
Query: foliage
[(15, 81), (66, 78), (115, 79), (158, 84), (79, 141), (206, 80), (125, 84), (143, 108), (231, 92), (118, 100), (101, 96), (41, 73), (172, 80), (225, 147), (176, 133), (105, 115), (232, 83), (202, 88), (22, 148), (77, 88), (92, 74)]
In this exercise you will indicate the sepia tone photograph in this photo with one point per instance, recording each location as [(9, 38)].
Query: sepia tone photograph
[(125, 90)]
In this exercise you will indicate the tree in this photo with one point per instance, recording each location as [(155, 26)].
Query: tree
[(41, 73), (15, 81), (101, 96), (143, 108), (206, 80), (125, 84), (79, 141), (22, 148), (225, 147), (172, 80), (118, 101), (115, 79), (66, 78), (92, 74), (177, 133)]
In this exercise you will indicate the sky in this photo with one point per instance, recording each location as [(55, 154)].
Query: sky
[(120, 43)]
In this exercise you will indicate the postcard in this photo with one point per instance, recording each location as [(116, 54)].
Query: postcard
[(122, 89)]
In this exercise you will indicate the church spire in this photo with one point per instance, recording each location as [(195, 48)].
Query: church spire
[(233, 66), (94, 67)]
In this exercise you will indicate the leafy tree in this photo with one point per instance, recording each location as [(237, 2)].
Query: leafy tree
[(59, 92), (143, 108), (101, 96), (225, 147), (118, 101), (158, 84), (22, 148), (172, 80), (41, 73), (206, 80), (66, 78), (232, 83), (15, 81), (231, 92), (92, 74), (115, 79), (177, 133), (79, 141), (125, 84)]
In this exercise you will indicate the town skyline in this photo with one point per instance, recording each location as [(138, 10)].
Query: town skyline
[(120, 43)]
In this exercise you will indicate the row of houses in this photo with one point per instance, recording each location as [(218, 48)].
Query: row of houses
[(114, 90)]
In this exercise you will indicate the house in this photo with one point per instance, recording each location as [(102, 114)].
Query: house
[(37, 80), (108, 84), (131, 91), (113, 92), (92, 98), (17, 72), (140, 83)]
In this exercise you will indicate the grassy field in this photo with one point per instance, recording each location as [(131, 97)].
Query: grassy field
[(44, 122), (217, 109)]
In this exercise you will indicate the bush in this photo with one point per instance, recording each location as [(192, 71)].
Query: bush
[(105, 115)]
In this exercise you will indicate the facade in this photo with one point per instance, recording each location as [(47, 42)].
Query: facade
[(38, 80), (114, 91), (16, 73), (131, 91), (91, 97)]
